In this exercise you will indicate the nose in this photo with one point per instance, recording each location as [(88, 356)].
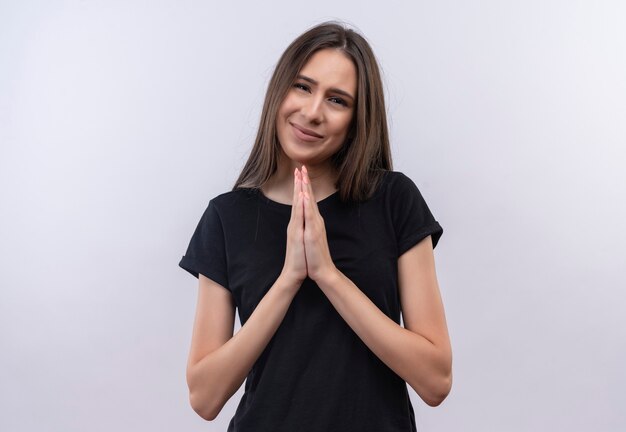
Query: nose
[(312, 109)]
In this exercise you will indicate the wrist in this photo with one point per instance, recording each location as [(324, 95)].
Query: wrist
[(328, 277), (289, 282)]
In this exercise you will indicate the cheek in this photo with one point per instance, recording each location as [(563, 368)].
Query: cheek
[(281, 115), (287, 106), (342, 125)]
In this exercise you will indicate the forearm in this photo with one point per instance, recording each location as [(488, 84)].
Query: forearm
[(422, 364), (215, 378)]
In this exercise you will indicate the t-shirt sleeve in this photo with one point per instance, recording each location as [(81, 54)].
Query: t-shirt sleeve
[(412, 219), (206, 253)]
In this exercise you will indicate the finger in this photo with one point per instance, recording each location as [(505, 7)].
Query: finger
[(299, 174), (307, 209), (307, 187), (301, 193), (296, 189), (301, 202), (308, 192), (295, 182), (299, 213)]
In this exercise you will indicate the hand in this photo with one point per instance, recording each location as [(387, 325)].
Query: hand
[(295, 267), (318, 260)]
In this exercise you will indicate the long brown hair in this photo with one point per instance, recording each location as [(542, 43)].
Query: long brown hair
[(366, 155)]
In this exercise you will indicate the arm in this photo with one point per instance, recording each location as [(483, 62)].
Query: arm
[(420, 352), (219, 362)]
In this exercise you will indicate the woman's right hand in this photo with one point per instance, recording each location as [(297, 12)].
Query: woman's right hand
[(295, 270)]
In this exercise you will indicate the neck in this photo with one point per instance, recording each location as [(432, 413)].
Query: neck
[(323, 178)]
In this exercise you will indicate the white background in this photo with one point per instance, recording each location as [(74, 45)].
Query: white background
[(120, 120)]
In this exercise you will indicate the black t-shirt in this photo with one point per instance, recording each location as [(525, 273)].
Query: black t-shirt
[(315, 374)]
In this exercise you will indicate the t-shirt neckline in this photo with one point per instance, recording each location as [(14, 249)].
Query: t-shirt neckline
[(323, 202)]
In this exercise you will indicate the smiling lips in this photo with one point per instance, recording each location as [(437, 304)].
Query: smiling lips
[(304, 133)]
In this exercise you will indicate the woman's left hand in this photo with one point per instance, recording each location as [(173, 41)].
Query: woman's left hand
[(318, 260)]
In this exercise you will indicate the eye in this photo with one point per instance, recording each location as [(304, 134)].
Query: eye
[(339, 101), (301, 86)]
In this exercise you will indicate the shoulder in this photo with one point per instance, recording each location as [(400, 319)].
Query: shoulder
[(395, 176), (397, 183), (391, 185), (233, 201)]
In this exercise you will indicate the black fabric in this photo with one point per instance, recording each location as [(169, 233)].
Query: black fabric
[(315, 374)]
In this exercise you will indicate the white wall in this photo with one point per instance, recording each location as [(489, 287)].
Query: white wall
[(120, 120)]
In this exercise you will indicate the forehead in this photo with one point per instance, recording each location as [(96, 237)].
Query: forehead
[(331, 68)]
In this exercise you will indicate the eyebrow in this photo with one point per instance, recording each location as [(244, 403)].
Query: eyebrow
[(336, 90)]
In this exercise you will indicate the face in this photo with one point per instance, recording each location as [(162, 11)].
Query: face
[(313, 120)]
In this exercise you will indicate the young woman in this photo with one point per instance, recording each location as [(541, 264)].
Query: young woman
[(320, 245)]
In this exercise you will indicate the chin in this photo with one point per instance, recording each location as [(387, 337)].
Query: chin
[(294, 150), (300, 158)]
